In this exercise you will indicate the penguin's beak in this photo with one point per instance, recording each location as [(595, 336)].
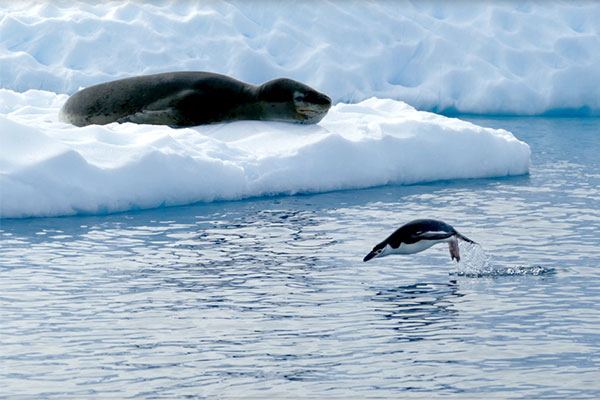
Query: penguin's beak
[(372, 254)]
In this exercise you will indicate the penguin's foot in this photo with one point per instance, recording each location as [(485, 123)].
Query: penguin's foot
[(454, 250)]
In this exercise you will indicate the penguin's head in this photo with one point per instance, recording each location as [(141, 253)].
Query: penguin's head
[(382, 249)]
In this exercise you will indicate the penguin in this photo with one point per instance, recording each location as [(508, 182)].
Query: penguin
[(419, 235)]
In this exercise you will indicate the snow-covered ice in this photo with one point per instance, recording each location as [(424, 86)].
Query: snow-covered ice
[(493, 57), (376, 60), (53, 168)]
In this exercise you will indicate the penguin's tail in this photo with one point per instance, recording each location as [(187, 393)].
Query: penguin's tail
[(463, 237)]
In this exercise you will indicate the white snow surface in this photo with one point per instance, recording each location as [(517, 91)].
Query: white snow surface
[(50, 168), (487, 57), (369, 57)]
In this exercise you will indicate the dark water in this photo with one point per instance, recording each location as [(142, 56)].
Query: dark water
[(270, 297)]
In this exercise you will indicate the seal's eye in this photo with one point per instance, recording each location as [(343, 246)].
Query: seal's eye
[(299, 97)]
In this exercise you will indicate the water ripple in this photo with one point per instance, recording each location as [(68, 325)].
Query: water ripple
[(270, 297)]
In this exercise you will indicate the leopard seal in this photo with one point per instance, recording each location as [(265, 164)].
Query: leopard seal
[(189, 98)]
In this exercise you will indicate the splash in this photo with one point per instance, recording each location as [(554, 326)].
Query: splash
[(475, 262)]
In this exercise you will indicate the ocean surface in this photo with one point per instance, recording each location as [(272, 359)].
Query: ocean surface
[(270, 298)]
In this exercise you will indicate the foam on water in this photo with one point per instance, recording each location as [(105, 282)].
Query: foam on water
[(476, 262)]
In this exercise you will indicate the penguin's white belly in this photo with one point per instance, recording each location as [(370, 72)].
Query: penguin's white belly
[(417, 247)]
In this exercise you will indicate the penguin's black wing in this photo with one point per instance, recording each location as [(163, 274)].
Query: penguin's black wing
[(419, 229), (429, 236)]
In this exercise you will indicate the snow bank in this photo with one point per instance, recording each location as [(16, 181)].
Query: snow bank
[(495, 57), (49, 168), (505, 57)]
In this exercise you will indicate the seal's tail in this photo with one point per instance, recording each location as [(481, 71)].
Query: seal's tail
[(462, 237)]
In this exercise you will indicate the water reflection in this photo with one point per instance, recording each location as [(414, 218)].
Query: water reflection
[(421, 311)]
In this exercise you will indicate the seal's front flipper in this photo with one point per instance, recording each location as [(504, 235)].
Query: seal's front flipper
[(153, 117), (175, 111)]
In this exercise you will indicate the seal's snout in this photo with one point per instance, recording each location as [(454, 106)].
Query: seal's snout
[(321, 99), (311, 108), (317, 101)]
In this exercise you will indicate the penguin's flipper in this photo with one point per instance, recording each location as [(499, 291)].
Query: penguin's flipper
[(432, 236)]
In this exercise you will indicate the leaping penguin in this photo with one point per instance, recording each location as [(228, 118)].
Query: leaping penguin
[(419, 235)]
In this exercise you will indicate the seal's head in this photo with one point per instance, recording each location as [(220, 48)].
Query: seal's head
[(293, 101)]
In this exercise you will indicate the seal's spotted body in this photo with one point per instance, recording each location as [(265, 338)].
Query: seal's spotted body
[(193, 98)]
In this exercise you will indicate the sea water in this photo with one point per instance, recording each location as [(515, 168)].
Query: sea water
[(270, 298)]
